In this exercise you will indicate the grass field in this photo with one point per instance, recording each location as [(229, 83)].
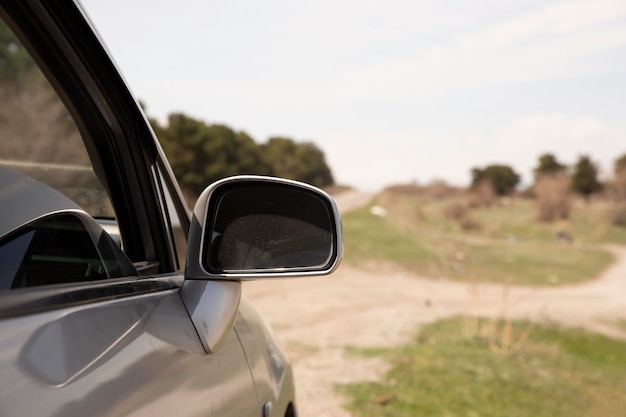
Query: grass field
[(497, 244), (480, 367), (495, 370)]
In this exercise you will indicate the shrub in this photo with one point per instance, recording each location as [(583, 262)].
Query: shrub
[(617, 194), (467, 224), (482, 194), (439, 190), (460, 213), (454, 210), (617, 214), (552, 197)]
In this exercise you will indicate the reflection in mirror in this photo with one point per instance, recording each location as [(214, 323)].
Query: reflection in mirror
[(269, 226), (260, 241)]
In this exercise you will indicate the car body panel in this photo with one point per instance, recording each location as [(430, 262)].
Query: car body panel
[(110, 358), (271, 370)]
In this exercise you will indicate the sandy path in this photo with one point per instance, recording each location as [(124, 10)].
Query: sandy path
[(316, 318)]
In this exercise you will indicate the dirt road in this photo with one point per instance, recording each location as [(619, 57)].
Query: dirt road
[(315, 319)]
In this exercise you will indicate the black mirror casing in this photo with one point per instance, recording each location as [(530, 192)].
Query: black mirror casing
[(250, 227)]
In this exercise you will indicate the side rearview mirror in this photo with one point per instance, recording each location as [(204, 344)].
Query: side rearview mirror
[(249, 227)]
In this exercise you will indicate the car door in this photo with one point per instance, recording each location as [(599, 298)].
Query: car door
[(92, 322)]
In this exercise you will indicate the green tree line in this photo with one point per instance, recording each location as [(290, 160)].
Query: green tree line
[(202, 153)]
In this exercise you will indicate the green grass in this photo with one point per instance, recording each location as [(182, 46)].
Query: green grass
[(517, 220), (448, 372), (588, 223), (535, 263), (508, 247), (371, 237)]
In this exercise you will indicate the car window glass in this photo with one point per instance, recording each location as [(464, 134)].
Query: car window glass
[(12, 253), (37, 135), (57, 249), (45, 176)]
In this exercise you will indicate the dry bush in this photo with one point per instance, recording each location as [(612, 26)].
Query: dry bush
[(617, 195), (552, 197), (436, 189), (412, 189), (617, 214), (455, 210), (467, 224), (439, 190), (460, 213), (483, 195)]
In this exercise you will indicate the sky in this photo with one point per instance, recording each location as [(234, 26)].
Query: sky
[(393, 91)]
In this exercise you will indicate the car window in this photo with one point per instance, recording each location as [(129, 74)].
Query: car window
[(60, 248), (49, 192), (37, 134)]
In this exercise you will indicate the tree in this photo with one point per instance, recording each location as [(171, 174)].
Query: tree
[(548, 165), (298, 161), (200, 154), (316, 170), (502, 177), (585, 177)]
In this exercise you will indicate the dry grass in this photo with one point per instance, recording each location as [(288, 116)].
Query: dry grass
[(617, 214), (455, 210), (460, 212), (469, 224), (404, 210), (437, 189)]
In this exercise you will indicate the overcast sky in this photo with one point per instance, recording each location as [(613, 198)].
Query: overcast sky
[(392, 91)]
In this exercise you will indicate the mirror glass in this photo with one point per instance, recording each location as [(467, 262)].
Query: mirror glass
[(268, 226)]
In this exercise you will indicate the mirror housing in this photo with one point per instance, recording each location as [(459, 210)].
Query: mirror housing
[(249, 227)]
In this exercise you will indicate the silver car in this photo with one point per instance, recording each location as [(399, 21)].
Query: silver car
[(115, 300)]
